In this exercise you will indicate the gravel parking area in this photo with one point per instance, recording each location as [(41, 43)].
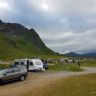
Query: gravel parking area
[(34, 79)]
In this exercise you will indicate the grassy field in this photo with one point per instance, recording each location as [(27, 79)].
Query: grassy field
[(82, 64), (65, 66), (84, 85), (72, 66), (88, 63), (4, 66)]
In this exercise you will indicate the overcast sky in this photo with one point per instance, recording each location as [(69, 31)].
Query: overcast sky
[(63, 25)]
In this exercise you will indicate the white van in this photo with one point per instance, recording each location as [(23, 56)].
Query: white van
[(30, 64)]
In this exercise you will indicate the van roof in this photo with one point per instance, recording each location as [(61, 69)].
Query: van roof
[(26, 59)]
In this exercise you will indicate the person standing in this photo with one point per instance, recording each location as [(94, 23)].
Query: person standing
[(78, 63), (58, 60)]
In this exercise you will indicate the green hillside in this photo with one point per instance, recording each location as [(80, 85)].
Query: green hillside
[(16, 41)]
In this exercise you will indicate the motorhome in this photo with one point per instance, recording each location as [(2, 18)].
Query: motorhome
[(30, 64)]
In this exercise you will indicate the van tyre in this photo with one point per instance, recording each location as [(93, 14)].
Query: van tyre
[(22, 78)]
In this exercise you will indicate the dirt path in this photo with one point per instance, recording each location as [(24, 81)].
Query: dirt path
[(35, 79)]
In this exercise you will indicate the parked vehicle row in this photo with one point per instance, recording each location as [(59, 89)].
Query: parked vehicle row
[(18, 70), (66, 60)]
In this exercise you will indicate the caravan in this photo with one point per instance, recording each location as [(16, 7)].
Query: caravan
[(30, 64)]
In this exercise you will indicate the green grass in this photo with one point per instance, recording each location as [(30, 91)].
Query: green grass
[(12, 48), (61, 67), (88, 63), (84, 85), (4, 66)]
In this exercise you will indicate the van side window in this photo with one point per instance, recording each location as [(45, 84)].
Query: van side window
[(22, 63), (37, 63), (31, 63)]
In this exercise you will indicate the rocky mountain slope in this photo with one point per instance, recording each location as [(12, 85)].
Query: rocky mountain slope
[(16, 41)]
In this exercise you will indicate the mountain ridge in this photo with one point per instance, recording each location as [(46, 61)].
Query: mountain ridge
[(91, 54), (20, 40)]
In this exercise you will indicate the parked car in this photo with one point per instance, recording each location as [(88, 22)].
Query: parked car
[(11, 74), (45, 65)]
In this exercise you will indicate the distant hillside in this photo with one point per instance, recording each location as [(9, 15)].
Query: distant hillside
[(81, 55), (16, 41)]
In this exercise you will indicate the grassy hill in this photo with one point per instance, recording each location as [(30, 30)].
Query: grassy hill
[(16, 41)]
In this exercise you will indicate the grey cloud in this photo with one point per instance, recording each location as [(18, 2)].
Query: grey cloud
[(67, 25), (78, 43)]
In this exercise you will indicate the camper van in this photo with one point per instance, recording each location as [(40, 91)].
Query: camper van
[(30, 64)]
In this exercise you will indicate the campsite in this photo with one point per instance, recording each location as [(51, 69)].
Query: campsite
[(47, 47), (40, 83)]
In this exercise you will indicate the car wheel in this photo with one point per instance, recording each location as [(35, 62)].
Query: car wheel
[(1, 82), (46, 68), (22, 78)]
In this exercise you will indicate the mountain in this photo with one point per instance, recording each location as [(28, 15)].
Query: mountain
[(93, 54), (16, 41)]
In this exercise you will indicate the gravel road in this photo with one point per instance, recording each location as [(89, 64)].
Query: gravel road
[(34, 79)]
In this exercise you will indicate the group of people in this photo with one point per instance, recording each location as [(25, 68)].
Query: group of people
[(51, 60), (72, 61), (65, 60)]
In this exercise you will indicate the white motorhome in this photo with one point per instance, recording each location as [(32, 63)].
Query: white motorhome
[(30, 64)]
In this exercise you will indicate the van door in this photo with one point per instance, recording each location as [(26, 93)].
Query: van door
[(27, 64), (31, 66)]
